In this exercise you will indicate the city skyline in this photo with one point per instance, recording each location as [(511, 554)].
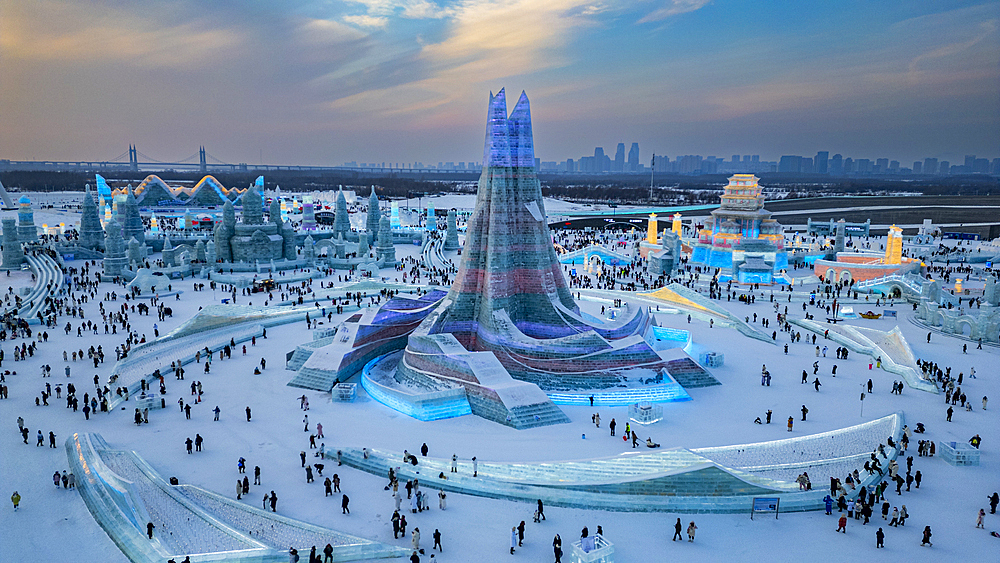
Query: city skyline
[(318, 83)]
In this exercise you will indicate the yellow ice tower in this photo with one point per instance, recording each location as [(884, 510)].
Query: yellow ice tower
[(894, 246), (676, 226), (651, 231)]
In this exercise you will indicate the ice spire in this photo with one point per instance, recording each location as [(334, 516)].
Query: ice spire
[(497, 149), (522, 148)]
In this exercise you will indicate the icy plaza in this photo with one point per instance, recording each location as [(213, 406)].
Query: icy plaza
[(712, 460)]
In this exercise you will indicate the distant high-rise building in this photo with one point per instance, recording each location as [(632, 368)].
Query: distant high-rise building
[(981, 166), (864, 166), (918, 167), (633, 158), (689, 163), (836, 166), (945, 167), (821, 162), (790, 163), (619, 164), (849, 166), (930, 166), (602, 162), (807, 165), (894, 166), (970, 160), (882, 164)]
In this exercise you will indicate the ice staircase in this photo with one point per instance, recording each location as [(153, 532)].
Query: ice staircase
[(314, 378), (689, 374), (304, 351), (533, 416)]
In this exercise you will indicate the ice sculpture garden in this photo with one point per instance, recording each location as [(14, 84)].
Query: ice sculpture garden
[(484, 357)]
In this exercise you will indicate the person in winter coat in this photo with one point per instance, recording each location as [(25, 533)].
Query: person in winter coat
[(437, 540), (994, 500), (15, 499), (926, 537), (414, 558), (328, 485), (842, 524), (895, 518), (415, 539), (513, 539), (828, 502), (691, 529), (979, 518), (520, 534), (442, 500), (328, 554), (879, 538), (343, 505), (791, 422), (677, 530)]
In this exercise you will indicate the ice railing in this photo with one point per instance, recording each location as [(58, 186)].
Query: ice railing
[(910, 283), (280, 532), (837, 452), (48, 280), (743, 460), (143, 361), (190, 520), (897, 357), (178, 527)]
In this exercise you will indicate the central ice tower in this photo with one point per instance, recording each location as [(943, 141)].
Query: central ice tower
[(509, 266), (509, 330)]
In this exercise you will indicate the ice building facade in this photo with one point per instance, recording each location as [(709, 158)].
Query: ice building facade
[(154, 191), (253, 238), (740, 236)]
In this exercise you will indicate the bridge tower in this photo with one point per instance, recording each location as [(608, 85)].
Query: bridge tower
[(133, 158), (202, 161)]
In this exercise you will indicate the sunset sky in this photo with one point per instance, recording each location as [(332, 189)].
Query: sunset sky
[(323, 82)]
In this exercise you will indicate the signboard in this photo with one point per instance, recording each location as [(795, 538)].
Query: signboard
[(765, 504)]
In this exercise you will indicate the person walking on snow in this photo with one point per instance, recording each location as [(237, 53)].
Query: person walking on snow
[(677, 530), (513, 539), (16, 500), (979, 518), (842, 524), (691, 529)]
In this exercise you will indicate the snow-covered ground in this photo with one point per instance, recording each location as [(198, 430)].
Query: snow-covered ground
[(53, 523)]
